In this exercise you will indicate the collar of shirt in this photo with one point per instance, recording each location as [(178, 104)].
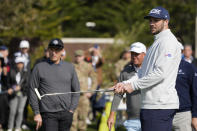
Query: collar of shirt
[(26, 55), (18, 77), (157, 36), (136, 68), (52, 63), (189, 60)]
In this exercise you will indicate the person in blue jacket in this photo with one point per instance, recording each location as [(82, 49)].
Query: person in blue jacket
[(186, 86)]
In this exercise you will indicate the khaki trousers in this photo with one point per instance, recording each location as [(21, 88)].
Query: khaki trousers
[(182, 121)]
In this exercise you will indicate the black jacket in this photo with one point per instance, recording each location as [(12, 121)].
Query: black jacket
[(23, 82), (3, 81), (194, 62)]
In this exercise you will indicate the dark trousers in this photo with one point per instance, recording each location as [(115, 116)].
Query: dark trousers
[(58, 121), (4, 110), (157, 119)]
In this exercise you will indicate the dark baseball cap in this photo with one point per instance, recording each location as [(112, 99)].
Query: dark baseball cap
[(56, 43), (3, 47), (158, 12)]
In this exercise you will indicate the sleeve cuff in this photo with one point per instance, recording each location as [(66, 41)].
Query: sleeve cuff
[(194, 115), (126, 82), (133, 86), (36, 112)]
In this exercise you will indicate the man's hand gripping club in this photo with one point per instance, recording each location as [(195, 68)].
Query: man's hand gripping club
[(123, 88)]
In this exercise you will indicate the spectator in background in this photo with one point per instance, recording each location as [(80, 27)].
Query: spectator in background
[(44, 58), (5, 52), (186, 86), (96, 56), (24, 52), (63, 55), (97, 62), (84, 70), (3, 94), (188, 55), (24, 47), (17, 84), (133, 100), (125, 59)]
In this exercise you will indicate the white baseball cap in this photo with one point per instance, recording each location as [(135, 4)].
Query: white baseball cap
[(24, 44), (20, 59), (138, 47)]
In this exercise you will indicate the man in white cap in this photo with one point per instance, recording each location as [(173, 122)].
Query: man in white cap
[(157, 77), (133, 100)]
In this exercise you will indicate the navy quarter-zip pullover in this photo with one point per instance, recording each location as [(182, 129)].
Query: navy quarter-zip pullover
[(186, 86)]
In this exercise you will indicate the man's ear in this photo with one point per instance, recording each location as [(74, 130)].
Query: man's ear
[(62, 50), (166, 22)]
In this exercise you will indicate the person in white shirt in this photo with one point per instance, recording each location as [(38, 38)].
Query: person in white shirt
[(157, 76)]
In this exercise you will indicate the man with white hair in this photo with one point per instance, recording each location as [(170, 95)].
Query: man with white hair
[(133, 100)]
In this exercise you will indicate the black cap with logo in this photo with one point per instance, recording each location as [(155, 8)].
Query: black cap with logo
[(56, 44)]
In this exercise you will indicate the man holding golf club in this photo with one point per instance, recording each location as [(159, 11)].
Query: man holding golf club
[(54, 76), (157, 76)]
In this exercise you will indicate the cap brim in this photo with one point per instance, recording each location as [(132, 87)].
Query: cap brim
[(19, 62), (78, 55), (56, 47), (136, 51), (146, 17), (149, 16)]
